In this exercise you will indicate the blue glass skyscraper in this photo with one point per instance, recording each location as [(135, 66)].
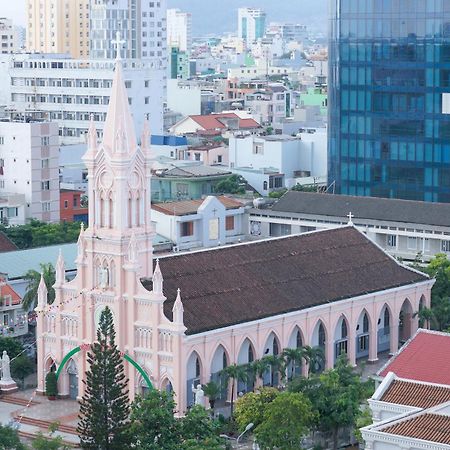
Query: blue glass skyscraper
[(389, 98)]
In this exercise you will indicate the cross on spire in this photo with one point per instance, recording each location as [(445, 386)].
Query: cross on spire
[(117, 44), (350, 217)]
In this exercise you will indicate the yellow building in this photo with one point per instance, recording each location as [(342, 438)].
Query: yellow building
[(58, 26)]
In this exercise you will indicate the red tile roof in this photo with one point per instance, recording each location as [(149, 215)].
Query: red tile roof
[(426, 357), (420, 395), (186, 207), (428, 427), (6, 290), (6, 245), (213, 122)]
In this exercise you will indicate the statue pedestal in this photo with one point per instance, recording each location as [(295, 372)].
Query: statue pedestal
[(8, 386)]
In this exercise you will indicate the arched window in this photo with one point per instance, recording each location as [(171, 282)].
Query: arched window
[(386, 318), (224, 359), (197, 368), (365, 324), (250, 354), (298, 339), (344, 329), (265, 185), (321, 335), (275, 347)]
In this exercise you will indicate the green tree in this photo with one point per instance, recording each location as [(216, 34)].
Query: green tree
[(198, 429), (34, 278), (293, 357), (259, 367), (42, 442), (104, 408), (212, 391), (153, 425), (21, 367), (315, 357), (250, 407), (439, 268), (234, 372), (438, 316), (336, 396), (51, 385), (12, 346), (9, 439), (231, 185), (286, 420)]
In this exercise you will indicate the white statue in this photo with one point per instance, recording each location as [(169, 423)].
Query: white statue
[(199, 395), (6, 372)]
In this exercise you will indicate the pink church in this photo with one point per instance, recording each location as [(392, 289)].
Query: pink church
[(183, 319)]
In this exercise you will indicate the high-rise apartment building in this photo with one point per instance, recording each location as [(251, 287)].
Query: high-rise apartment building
[(179, 30), (58, 26), (8, 36), (251, 24), (142, 24), (389, 99)]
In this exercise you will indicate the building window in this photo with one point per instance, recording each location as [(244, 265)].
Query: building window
[(391, 240), (75, 202), (46, 206), (182, 189), (45, 185), (187, 229), (197, 156), (445, 246), (219, 158), (229, 223), (45, 163), (258, 149), (66, 204), (45, 140), (2, 140), (412, 243)]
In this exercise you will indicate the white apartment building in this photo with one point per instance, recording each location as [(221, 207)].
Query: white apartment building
[(251, 24), (274, 162), (402, 228), (12, 208), (8, 36), (142, 24), (179, 30), (68, 91), (29, 165)]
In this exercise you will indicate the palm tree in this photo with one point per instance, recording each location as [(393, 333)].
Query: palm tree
[(438, 316), (315, 356), (276, 365), (259, 368), (34, 278), (234, 372), (293, 357), (212, 391)]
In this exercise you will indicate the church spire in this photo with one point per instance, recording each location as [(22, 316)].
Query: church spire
[(59, 270), (157, 279), (178, 310), (42, 294), (119, 136), (145, 136)]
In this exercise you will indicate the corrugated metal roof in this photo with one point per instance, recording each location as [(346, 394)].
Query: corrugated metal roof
[(15, 264)]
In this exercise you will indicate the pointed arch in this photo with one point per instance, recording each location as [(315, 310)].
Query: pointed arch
[(341, 336), (246, 355), (166, 384), (405, 321), (194, 370), (384, 324), (319, 335), (422, 305), (296, 338), (363, 330), (272, 345), (220, 359)]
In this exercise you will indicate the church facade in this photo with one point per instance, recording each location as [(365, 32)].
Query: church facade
[(182, 319)]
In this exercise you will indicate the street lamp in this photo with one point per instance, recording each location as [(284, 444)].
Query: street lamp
[(247, 428)]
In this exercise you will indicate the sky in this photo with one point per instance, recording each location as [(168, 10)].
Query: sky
[(217, 16)]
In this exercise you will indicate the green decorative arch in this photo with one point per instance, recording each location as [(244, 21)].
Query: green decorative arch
[(126, 357)]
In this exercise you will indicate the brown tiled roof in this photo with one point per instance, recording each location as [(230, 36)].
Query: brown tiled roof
[(7, 291), (429, 427), (187, 207), (240, 283), (416, 394), (6, 245)]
